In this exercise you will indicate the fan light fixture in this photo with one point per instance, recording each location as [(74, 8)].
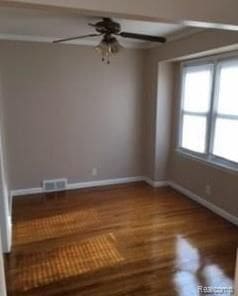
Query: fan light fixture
[(107, 29), (108, 47)]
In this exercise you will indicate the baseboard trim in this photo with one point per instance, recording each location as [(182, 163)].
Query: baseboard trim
[(88, 184), (80, 185), (155, 184), (107, 182), (217, 210), (26, 191)]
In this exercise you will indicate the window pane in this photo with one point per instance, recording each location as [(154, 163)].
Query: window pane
[(197, 89), (226, 139), (228, 90), (194, 133)]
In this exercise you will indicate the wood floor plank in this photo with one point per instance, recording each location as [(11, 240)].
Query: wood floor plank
[(118, 240)]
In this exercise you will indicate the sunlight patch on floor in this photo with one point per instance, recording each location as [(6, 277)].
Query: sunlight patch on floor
[(53, 226), (72, 260)]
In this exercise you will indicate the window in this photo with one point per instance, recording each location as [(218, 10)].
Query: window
[(209, 110), (196, 97)]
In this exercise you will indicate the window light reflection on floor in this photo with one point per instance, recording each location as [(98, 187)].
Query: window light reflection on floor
[(190, 272)]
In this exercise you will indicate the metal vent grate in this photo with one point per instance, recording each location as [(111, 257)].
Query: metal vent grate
[(54, 185)]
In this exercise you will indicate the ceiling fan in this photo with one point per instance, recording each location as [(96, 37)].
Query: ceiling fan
[(108, 29)]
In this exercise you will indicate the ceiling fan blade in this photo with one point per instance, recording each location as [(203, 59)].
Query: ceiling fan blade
[(143, 37), (77, 37)]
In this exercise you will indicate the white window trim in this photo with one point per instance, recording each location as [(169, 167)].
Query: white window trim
[(207, 157), (183, 112)]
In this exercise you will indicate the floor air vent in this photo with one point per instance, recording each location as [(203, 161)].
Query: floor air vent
[(54, 185)]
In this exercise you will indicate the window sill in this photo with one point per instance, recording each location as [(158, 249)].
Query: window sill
[(216, 163)]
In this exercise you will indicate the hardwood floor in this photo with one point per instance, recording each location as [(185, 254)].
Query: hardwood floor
[(125, 240)]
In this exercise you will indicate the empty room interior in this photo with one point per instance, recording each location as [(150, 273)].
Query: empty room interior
[(118, 147)]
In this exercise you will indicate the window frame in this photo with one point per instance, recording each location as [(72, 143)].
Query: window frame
[(208, 156), (191, 113)]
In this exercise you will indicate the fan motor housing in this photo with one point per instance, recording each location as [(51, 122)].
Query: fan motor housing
[(107, 26)]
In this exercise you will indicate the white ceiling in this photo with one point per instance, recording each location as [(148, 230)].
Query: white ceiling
[(46, 26)]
